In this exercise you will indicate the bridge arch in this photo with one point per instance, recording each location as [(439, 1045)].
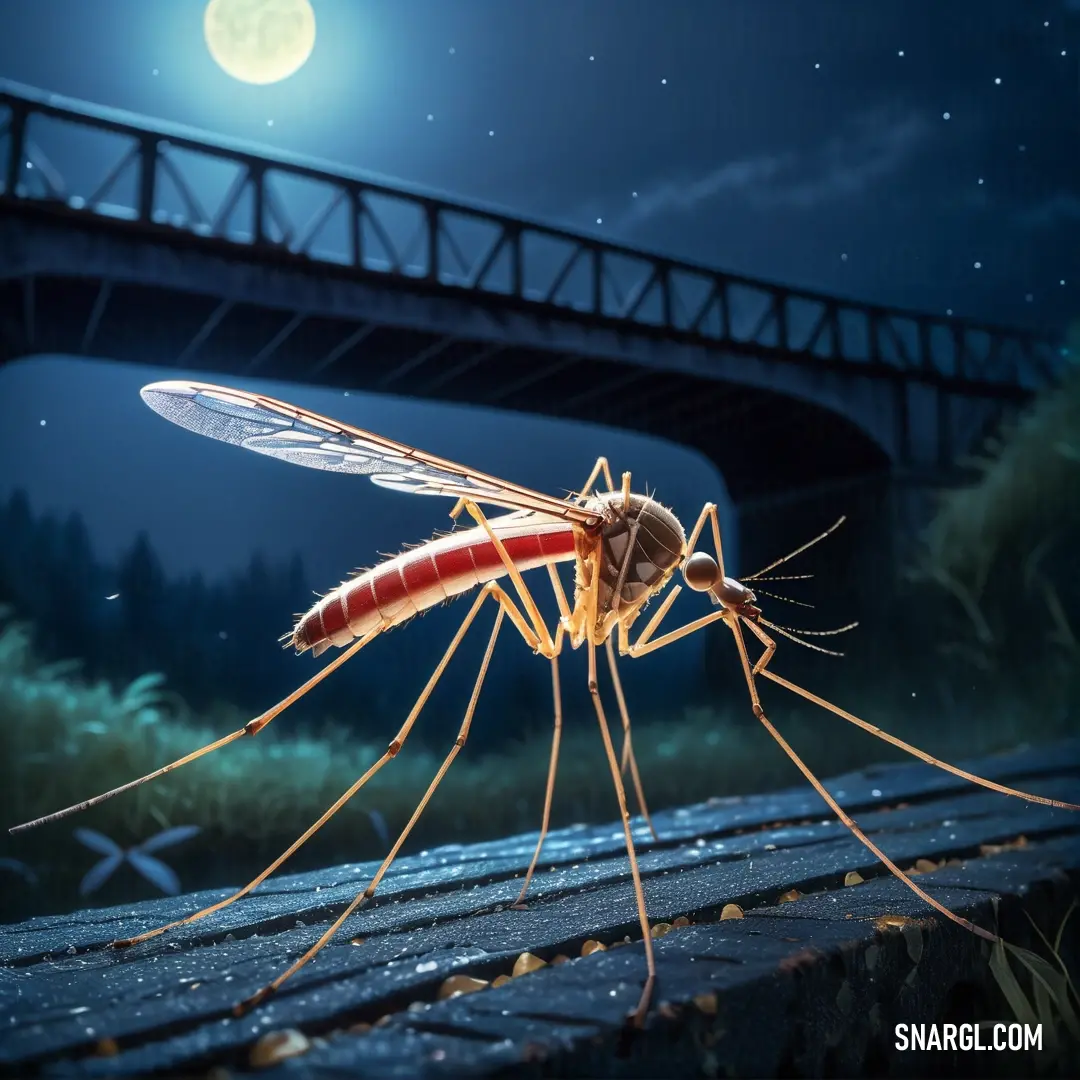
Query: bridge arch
[(148, 310)]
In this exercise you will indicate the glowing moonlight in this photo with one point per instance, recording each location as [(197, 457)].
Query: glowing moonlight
[(260, 41)]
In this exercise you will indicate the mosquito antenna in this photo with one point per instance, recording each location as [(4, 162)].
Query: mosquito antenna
[(811, 633), (799, 550), (786, 599), (781, 577), (799, 641)]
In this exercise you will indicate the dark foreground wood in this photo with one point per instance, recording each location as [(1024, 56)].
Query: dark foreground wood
[(813, 986)]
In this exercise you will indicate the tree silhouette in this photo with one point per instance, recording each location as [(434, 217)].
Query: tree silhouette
[(143, 603)]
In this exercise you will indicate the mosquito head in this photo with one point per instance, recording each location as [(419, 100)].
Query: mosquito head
[(700, 571), (702, 574)]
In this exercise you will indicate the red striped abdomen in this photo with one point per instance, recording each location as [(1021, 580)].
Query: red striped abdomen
[(409, 583)]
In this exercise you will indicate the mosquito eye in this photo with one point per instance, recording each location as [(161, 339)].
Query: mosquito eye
[(700, 571)]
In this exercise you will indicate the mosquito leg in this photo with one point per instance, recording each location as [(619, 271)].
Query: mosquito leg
[(640, 649), (553, 764), (391, 751), (846, 818), (760, 668), (564, 609), (628, 757), (624, 813), (601, 466), (252, 727), (363, 897), (547, 644), (560, 593)]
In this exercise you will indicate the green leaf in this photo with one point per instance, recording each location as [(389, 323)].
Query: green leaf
[(1055, 949), (1061, 928), (143, 693), (1043, 972), (1045, 1008), (1010, 987)]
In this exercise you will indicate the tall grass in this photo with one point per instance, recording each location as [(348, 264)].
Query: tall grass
[(1006, 549)]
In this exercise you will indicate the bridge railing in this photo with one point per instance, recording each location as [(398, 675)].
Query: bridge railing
[(99, 161)]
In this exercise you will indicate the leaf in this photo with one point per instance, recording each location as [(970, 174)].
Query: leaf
[(1061, 928), (143, 693), (155, 871), (1042, 971), (99, 873), (58, 670), (1055, 949), (1003, 974), (98, 842), (1045, 1008), (167, 837)]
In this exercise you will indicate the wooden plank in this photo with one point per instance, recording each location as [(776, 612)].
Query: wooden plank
[(782, 969)]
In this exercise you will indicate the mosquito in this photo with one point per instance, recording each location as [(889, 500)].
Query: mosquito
[(626, 549)]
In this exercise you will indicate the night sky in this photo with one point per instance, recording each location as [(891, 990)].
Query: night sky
[(920, 153)]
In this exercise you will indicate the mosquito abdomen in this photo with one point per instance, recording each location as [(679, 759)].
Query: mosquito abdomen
[(395, 590)]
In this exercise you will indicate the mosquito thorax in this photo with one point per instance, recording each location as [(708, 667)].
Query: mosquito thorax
[(659, 545)]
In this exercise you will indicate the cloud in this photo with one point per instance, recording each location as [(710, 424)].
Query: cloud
[(873, 146)]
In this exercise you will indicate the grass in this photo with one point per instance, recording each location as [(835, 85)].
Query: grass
[(1053, 999), (988, 538)]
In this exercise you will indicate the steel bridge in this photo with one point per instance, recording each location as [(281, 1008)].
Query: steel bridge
[(151, 242)]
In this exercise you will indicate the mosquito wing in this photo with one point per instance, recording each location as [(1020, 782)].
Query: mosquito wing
[(293, 434)]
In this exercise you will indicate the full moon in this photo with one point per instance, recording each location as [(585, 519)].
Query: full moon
[(260, 41)]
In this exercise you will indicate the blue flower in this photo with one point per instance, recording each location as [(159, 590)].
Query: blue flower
[(154, 870)]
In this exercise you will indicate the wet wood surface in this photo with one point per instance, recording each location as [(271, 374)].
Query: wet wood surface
[(800, 987)]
